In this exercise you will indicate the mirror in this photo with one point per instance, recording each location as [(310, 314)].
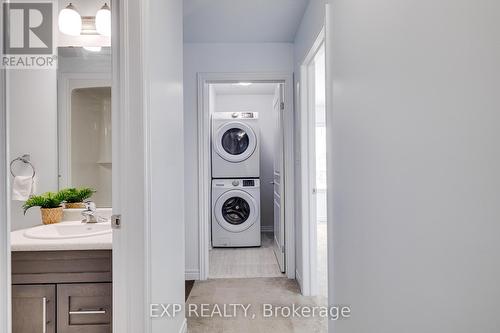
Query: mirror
[(84, 120)]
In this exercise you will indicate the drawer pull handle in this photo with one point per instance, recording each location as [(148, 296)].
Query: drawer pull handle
[(88, 312), (44, 314)]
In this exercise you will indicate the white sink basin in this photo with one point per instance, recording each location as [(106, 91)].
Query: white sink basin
[(65, 230)]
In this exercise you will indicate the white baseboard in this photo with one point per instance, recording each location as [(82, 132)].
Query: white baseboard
[(266, 228), (184, 327), (192, 274)]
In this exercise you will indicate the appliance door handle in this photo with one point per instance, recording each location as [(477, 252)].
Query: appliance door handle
[(44, 314), (88, 312)]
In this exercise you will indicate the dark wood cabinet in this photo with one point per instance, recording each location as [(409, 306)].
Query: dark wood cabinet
[(84, 308), (34, 309), (62, 292)]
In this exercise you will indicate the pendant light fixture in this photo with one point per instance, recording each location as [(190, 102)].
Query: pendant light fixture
[(103, 20), (70, 21)]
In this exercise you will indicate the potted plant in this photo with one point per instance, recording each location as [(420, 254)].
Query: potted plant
[(74, 197), (50, 206)]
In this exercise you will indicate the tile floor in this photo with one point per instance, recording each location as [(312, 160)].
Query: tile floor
[(245, 262)]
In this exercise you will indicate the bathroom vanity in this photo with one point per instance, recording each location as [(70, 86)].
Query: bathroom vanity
[(61, 285)]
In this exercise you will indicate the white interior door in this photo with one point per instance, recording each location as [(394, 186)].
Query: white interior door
[(279, 221)]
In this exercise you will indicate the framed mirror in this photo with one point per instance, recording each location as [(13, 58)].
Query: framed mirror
[(84, 120)]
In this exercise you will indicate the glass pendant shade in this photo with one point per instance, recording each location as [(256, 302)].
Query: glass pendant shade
[(103, 20), (70, 21)]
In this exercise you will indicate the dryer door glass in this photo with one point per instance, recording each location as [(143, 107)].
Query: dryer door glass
[(235, 141), (235, 210)]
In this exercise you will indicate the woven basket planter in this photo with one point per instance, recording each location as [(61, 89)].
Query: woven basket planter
[(51, 215), (74, 205)]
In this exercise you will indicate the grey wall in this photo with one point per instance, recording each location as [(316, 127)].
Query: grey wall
[(415, 160), (264, 57), (263, 104), (310, 27)]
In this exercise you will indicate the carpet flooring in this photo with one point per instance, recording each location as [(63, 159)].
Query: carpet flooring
[(255, 293)]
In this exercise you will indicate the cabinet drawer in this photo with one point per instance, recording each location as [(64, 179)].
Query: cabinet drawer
[(61, 267), (84, 308), (33, 309)]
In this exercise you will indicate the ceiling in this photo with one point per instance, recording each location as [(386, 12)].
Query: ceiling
[(235, 89), (242, 21)]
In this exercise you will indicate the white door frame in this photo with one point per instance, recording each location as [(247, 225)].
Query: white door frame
[(135, 247), (204, 165), (148, 261), (307, 148), (5, 306)]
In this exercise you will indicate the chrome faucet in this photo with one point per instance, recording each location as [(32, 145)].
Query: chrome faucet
[(89, 214)]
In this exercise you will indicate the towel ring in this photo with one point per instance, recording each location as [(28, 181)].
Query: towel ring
[(26, 160)]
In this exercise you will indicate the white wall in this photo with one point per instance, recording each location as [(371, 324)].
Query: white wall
[(310, 27), (263, 104), (32, 107), (266, 57), (415, 154)]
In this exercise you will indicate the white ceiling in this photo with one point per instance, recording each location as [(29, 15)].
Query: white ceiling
[(242, 21), (254, 89)]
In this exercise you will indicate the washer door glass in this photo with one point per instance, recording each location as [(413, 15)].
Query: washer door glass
[(235, 141), (235, 210)]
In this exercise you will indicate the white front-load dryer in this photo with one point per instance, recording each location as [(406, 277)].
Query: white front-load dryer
[(235, 145), (235, 213)]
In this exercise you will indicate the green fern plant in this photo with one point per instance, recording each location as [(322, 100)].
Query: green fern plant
[(46, 200), (75, 195)]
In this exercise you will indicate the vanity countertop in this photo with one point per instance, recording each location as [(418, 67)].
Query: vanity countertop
[(19, 242)]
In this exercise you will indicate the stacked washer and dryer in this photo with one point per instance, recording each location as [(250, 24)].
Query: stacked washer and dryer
[(235, 179)]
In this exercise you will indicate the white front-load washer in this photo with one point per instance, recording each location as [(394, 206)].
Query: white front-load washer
[(235, 145), (235, 212)]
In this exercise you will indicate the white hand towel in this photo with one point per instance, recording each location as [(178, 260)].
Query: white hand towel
[(22, 188)]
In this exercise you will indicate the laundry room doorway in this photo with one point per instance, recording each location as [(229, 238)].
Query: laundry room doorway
[(246, 175)]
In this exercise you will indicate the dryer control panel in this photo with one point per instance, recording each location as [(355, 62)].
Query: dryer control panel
[(236, 183), (248, 182)]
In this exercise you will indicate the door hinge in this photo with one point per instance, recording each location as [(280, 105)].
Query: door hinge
[(116, 221), (282, 106)]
